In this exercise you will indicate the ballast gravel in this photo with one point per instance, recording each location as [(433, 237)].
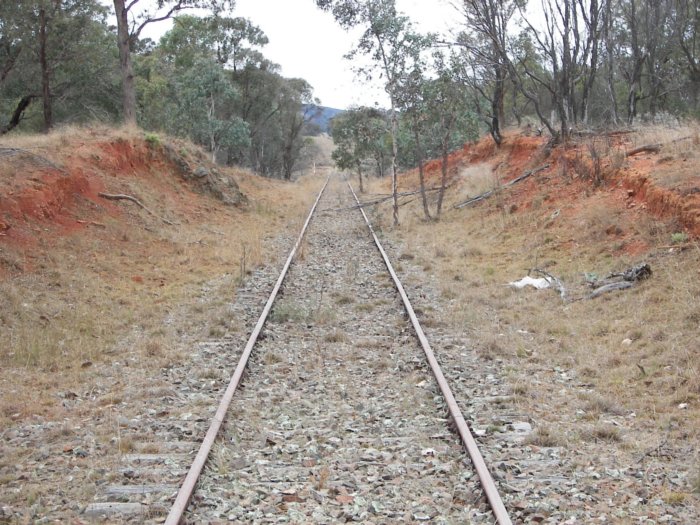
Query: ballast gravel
[(339, 418)]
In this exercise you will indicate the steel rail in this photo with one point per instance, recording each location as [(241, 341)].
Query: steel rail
[(494, 498), (188, 486)]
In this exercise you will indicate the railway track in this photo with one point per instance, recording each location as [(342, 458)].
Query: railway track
[(339, 418)]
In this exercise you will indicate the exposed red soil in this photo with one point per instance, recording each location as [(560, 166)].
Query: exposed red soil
[(45, 199), (628, 188)]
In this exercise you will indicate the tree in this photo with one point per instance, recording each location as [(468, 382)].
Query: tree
[(485, 43), (357, 135), (453, 122), (388, 39), (57, 51), (412, 100), (231, 42), (129, 30), (207, 99), (13, 45), (569, 49), (296, 110), (687, 35)]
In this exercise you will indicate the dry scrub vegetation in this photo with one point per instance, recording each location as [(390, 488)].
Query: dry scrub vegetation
[(97, 282), (632, 355)]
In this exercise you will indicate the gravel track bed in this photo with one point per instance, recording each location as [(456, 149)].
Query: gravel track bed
[(339, 419), (155, 428), (581, 481)]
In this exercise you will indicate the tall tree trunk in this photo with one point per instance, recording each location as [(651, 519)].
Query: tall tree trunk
[(609, 61), (45, 73), (359, 175), (394, 155), (443, 169), (127, 72), (497, 104), (421, 171)]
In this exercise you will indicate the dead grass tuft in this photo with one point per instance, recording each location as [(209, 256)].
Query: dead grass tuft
[(603, 432), (545, 436), (286, 311)]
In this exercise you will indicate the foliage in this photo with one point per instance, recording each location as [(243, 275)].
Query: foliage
[(61, 54), (361, 137), (679, 237), (207, 79)]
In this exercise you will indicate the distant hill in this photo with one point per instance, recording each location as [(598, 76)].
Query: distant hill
[(322, 116)]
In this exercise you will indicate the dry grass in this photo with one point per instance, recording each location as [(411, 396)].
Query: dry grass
[(336, 336), (106, 292), (678, 141), (545, 436), (636, 350)]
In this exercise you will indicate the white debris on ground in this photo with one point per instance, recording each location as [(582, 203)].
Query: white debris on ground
[(540, 283)]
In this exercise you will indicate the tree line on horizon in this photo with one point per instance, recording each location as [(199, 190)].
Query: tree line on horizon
[(206, 79), (580, 64)]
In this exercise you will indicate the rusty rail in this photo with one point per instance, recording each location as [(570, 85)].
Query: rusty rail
[(188, 486), (494, 498)]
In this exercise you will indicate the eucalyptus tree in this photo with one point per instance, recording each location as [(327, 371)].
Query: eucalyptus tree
[(14, 43), (132, 19), (389, 40), (358, 136), (414, 112), (451, 114), (207, 99), (485, 42), (568, 45), (56, 52), (231, 42), (296, 109), (687, 37)]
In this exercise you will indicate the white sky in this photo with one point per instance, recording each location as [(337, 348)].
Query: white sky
[(308, 43)]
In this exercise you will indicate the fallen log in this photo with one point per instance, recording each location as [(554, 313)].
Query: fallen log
[(622, 285), (121, 196), (655, 148), (649, 148), (488, 194)]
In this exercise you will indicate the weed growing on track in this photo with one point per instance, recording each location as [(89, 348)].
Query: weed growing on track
[(285, 311), (336, 336), (545, 436)]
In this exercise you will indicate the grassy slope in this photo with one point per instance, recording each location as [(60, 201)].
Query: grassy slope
[(84, 280), (632, 352)]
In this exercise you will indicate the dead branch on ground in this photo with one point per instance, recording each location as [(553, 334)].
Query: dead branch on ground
[(621, 280), (553, 280), (489, 193), (120, 196), (655, 148), (648, 148)]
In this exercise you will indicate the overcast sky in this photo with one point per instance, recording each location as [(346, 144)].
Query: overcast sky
[(308, 43)]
